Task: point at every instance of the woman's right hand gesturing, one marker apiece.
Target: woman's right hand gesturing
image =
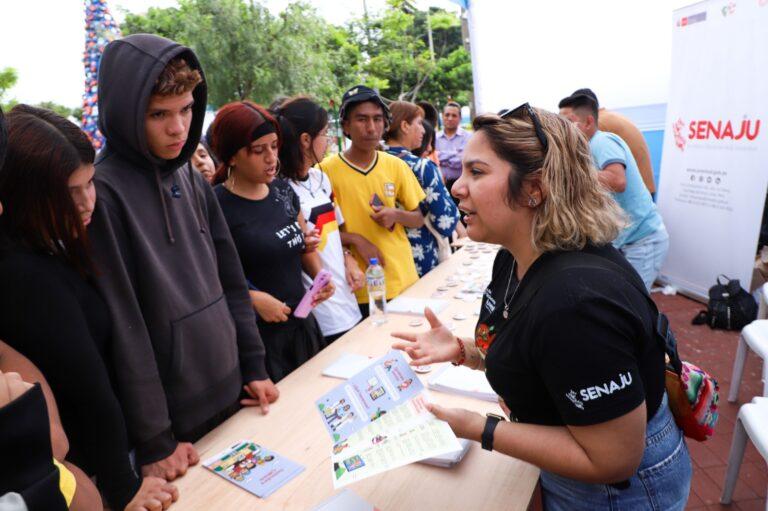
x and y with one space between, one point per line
437 344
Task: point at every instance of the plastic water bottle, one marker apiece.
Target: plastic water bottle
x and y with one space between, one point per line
377 292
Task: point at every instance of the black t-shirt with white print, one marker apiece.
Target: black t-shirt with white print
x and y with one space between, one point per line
581 352
268 238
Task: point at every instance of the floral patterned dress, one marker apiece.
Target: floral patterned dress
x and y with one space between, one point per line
437 206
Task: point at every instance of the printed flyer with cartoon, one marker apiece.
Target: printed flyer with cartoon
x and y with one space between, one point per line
407 434
378 421
368 395
253 468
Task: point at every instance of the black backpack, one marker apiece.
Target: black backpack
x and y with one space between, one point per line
730 307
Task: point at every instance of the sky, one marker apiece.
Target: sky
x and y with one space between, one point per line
43 40
542 51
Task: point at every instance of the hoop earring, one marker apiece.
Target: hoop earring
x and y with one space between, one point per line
230 178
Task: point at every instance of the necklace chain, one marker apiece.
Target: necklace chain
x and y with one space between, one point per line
505 313
308 188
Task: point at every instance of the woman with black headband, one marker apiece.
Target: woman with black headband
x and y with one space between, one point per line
304 132
267 226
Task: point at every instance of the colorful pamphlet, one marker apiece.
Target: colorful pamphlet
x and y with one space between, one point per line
253 468
408 433
368 395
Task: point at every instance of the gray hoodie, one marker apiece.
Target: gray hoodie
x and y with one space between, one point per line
184 332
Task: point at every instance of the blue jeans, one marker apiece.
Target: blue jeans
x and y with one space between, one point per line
646 255
662 481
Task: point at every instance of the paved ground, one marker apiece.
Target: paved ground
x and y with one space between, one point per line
714 350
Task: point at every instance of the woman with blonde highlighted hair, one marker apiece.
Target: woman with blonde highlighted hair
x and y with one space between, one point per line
567 332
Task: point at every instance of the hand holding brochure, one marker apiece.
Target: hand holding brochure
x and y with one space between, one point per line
378 421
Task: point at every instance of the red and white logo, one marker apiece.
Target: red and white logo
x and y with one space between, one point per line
706 129
677 129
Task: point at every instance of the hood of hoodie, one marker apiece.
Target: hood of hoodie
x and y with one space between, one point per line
128 71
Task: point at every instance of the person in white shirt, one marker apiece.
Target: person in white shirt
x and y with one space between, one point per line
304 134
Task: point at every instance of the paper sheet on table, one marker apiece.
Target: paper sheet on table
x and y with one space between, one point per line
405 435
345 500
415 306
347 365
463 381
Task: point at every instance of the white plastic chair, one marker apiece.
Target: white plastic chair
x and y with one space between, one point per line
755 337
752 422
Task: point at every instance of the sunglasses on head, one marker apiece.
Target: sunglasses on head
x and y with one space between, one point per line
519 112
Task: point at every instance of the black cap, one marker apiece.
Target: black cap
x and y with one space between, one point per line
361 94
580 94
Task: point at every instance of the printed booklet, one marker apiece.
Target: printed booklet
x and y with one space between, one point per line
253 468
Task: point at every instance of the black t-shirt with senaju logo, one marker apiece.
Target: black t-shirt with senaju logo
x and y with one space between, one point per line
581 352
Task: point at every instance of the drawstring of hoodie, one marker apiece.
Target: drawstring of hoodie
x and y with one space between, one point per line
166 215
200 222
168 228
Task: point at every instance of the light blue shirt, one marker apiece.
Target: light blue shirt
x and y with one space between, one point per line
450 151
635 200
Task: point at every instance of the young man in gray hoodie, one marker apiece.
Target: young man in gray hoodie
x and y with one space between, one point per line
185 341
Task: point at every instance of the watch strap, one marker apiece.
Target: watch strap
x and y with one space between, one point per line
486 439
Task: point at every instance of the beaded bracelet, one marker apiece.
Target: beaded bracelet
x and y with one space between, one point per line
462 353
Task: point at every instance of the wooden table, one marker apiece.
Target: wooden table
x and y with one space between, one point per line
293 428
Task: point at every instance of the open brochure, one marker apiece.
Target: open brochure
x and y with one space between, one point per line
405 435
378 421
369 394
253 468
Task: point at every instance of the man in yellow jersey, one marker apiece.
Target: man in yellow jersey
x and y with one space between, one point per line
378 193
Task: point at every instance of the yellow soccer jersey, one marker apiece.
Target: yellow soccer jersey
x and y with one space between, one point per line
393 181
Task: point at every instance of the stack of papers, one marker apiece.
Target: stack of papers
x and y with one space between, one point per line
253 468
450 459
378 421
464 381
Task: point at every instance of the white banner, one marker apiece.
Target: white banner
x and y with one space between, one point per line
714 168
541 52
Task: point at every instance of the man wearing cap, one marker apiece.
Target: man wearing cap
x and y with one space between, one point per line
378 193
644 242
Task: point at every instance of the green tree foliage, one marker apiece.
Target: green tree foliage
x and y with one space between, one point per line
400 62
164 22
9 77
249 53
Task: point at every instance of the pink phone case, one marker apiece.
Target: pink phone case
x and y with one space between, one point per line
305 305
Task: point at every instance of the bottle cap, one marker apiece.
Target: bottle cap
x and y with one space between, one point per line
374 261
